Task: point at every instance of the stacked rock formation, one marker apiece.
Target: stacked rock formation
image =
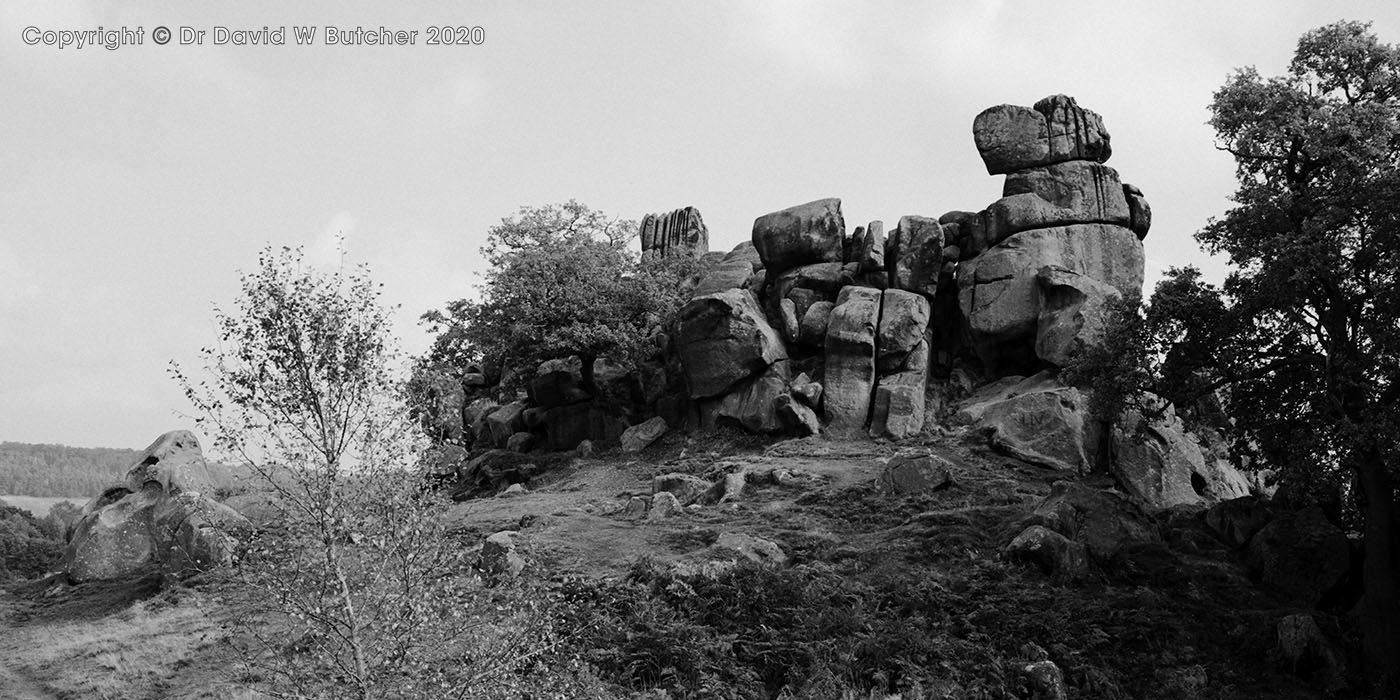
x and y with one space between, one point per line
1038 265
162 515
1017 287
804 326
679 232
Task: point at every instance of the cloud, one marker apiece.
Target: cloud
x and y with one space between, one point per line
454 101
821 39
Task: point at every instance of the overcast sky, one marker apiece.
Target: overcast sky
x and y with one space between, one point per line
136 182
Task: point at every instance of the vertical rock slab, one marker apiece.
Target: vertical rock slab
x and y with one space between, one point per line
903 322
801 235
869 255
850 360
914 255
723 338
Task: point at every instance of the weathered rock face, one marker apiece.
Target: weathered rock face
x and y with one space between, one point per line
1011 138
1073 314
724 338
163 515
679 232
1161 465
1073 192
809 233
1000 297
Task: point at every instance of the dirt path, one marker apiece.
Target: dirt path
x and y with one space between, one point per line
14 684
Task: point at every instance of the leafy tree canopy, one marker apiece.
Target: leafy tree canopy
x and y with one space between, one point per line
1305 331
561 283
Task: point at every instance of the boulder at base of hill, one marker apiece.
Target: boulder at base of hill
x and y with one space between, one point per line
911 474
755 549
1103 521
499 559
1038 420
158 517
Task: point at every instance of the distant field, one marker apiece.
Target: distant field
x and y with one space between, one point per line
40 505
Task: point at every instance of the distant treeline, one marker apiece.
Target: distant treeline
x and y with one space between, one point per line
58 470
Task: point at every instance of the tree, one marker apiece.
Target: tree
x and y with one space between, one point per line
561 283
359 583
1305 332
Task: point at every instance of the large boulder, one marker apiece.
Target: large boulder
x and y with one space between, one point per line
850 360
808 233
1300 555
1038 420
722 339
1073 192
1000 297
1056 129
914 255
161 516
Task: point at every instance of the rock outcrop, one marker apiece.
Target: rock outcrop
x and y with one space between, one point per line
679 232
1039 264
162 515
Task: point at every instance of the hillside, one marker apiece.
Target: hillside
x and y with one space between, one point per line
862 590
58 470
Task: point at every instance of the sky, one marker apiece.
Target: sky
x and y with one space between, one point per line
136 183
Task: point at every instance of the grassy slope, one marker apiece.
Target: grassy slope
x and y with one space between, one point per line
898 593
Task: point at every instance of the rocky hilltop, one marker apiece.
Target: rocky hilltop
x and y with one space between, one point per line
887 331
